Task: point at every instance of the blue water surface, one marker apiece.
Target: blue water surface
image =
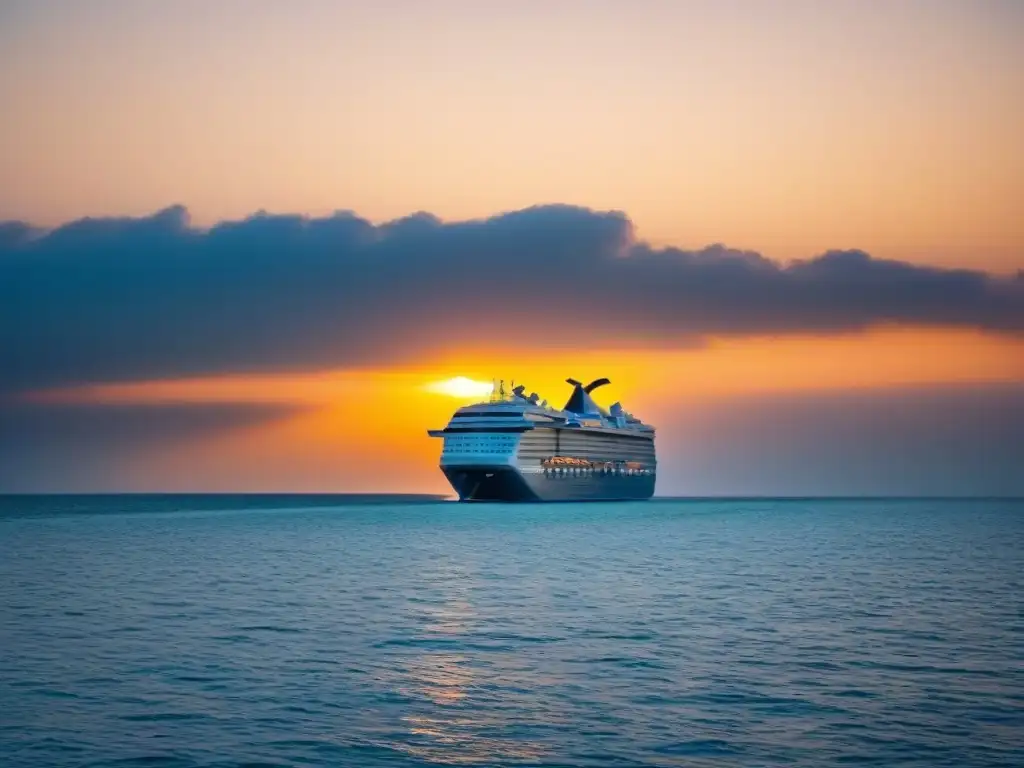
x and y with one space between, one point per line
291 631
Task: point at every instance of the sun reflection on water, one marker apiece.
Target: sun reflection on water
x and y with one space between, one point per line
456 708
443 678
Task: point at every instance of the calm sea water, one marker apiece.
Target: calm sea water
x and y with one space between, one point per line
206 631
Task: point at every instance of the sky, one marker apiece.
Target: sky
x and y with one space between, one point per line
240 240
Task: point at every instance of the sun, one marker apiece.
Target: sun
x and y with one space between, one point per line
461 387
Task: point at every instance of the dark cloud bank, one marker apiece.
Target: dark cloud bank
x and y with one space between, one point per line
116 299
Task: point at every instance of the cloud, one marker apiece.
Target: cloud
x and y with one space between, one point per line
957 440
48 447
152 297
14 234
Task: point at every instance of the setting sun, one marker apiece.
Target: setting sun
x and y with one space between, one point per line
461 387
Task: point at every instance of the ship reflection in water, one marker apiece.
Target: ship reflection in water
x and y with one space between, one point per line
451 690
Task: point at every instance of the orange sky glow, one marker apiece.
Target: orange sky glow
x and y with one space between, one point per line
351 429
789 129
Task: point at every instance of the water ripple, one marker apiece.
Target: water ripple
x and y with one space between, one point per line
755 633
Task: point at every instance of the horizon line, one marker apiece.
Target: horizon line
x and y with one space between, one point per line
449 497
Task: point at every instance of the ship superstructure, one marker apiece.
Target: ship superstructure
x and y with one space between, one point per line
515 447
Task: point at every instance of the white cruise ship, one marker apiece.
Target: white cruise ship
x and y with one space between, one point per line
514 448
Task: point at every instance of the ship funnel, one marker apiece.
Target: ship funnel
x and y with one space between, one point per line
580 400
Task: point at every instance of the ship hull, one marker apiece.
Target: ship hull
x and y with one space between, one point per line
508 484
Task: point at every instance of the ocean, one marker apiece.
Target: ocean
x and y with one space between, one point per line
169 631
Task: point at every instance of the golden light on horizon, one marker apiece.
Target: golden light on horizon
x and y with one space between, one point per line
461 387
882 357
297 429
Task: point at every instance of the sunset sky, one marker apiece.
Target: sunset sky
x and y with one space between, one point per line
240 240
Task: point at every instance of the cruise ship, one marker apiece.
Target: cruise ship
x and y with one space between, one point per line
515 447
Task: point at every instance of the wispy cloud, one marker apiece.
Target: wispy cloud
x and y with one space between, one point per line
931 440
